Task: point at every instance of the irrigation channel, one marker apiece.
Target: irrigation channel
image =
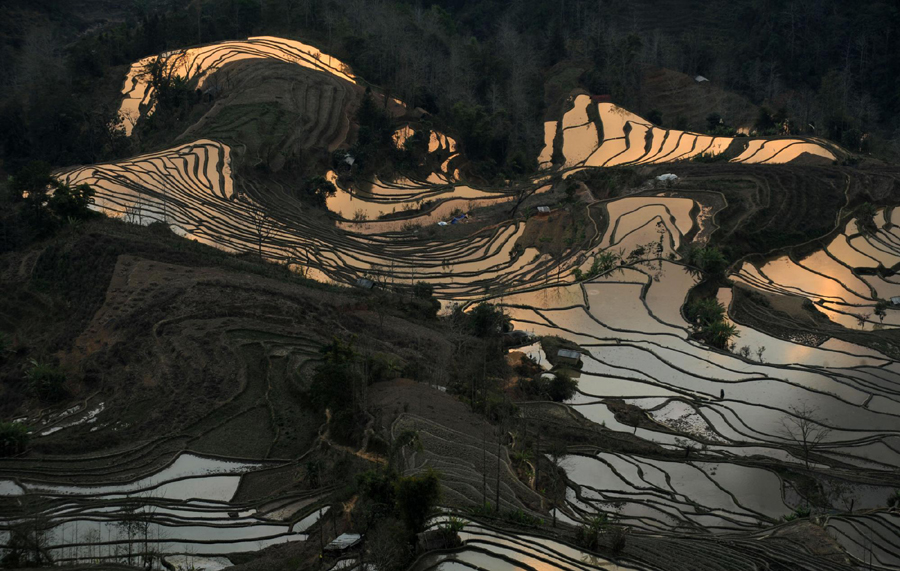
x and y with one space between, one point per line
729 408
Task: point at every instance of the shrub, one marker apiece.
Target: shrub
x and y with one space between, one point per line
710 158
865 218
618 535
69 203
423 290
561 387
520 517
893 500
800 512
707 317
46 382
486 320
588 534
482 510
382 368
13 438
705 311
709 260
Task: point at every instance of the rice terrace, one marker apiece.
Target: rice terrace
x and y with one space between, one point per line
369 285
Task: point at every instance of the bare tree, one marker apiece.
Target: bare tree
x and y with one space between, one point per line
299 259
804 430
262 225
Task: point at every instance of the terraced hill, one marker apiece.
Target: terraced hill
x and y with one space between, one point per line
189 428
603 135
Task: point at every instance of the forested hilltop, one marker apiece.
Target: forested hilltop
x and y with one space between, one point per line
467 285
488 71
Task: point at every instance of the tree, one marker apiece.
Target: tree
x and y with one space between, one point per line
388 546
316 190
719 334
804 430
486 320
69 203
709 260
262 225
416 496
881 309
562 387
865 218
35 176
705 311
45 381
13 438
28 544
707 318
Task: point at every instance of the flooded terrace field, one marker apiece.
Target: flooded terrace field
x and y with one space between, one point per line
717 459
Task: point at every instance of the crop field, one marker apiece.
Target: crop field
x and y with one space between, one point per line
604 135
721 469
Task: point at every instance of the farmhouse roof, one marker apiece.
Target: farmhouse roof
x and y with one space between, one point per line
568 354
344 541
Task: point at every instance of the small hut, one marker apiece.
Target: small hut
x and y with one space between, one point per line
344 542
568 357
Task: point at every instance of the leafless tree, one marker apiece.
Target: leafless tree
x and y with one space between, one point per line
263 226
134 214
299 259
804 430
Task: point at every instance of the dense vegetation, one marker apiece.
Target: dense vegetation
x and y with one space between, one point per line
486 70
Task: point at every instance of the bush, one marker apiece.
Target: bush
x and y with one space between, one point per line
69 203
13 438
519 517
710 158
316 190
485 320
46 382
588 534
383 368
865 218
800 512
709 260
707 317
705 311
562 387
603 262
893 500
618 535
483 510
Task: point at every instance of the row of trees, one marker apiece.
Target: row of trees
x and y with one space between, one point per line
36 205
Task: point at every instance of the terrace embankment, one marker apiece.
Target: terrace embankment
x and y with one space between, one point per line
795 318
177 340
770 207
